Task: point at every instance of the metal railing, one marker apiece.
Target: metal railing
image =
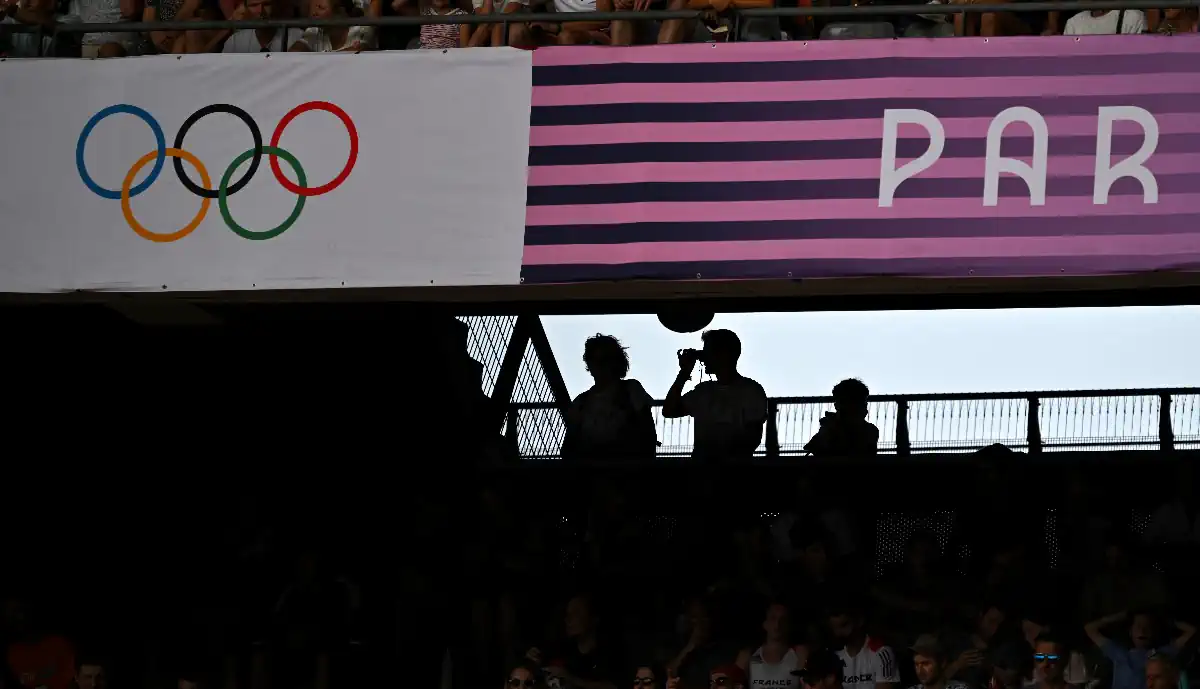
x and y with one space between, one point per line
847 13
1079 420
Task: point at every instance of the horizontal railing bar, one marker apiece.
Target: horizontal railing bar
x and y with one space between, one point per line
557 17
954 396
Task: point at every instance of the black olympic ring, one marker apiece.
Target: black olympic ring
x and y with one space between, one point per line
258 149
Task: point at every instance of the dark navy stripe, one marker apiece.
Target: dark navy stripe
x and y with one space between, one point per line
866 108
840 70
630 233
1010 186
850 267
850 149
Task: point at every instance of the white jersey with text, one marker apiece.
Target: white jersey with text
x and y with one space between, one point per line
874 663
764 675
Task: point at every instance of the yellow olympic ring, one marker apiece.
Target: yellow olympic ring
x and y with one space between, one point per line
128 184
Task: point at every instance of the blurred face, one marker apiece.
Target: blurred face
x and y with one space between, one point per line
719 680
1141 631
258 9
644 679
989 623
519 678
90 677
847 406
320 9
928 669
1047 657
1159 676
843 628
776 624
185 684
579 618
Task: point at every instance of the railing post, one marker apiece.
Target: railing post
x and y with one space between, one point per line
903 444
772 429
1034 432
1166 435
512 444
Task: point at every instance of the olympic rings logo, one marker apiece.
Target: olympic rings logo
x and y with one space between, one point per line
205 189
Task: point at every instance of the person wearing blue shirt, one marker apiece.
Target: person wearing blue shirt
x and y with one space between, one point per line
1129 664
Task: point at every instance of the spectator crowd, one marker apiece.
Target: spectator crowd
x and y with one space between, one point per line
991 572
717 24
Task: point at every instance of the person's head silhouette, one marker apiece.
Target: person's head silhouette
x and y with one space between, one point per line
850 398
605 358
722 348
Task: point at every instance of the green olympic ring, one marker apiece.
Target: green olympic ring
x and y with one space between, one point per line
222 193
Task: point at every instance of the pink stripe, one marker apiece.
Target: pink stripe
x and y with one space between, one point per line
776 170
852 89
865 209
784 51
822 130
908 247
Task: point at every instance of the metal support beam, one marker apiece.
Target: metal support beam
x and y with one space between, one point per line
541 347
510 368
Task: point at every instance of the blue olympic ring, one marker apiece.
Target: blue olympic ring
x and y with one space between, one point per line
159 159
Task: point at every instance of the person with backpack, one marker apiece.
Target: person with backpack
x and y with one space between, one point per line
612 421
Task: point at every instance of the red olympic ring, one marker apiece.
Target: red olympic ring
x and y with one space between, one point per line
336 181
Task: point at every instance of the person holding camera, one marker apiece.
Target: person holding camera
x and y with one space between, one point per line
729 412
845 432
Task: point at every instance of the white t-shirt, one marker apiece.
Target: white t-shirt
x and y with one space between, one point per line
1084 24
246 41
722 410
764 675
574 5
874 663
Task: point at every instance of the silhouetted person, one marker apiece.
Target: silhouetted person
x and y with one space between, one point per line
729 411
845 432
612 420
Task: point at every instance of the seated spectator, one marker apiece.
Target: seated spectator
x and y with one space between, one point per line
167 11
845 432
30 13
1004 23
929 662
913 595
718 22
1173 21
972 663
1129 663
1049 663
578 31
870 663
707 647
646 678
1010 665
254 40
202 41
1162 672
612 420
336 39
777 662
1100 22
436 36
116 43
583 662
729 412
493 34
523 677
90 674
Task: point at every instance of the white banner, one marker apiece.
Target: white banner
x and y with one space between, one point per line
378 169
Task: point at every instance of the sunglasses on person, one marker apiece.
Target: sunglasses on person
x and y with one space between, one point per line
643 681
516 682
1045 657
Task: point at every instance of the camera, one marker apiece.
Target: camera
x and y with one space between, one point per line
695 354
